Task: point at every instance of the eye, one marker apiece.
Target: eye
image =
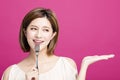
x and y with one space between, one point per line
33 28
46 30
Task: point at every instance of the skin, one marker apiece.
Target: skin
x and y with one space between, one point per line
90 60
40 31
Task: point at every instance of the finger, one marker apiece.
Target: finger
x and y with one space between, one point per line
35 69
111 56
105 57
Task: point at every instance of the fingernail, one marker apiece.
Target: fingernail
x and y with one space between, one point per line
33 69
33 78
112 55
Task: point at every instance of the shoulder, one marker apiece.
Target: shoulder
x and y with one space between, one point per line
71 62
6 73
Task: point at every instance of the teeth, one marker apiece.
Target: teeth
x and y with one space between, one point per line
38 41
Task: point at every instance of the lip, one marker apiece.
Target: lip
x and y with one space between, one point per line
38 41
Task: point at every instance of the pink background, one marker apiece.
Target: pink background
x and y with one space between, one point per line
87 27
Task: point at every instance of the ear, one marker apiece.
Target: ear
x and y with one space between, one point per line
53 35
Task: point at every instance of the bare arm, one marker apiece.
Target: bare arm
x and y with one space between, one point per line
5 75
89 60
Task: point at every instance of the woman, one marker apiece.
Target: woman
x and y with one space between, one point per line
40 27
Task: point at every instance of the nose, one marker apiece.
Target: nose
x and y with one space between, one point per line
38 34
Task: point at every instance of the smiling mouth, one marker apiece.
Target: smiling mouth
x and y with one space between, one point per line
38 41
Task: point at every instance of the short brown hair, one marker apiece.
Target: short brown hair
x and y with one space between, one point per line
38 13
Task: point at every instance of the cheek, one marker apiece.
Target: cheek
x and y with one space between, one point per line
30 34
48 37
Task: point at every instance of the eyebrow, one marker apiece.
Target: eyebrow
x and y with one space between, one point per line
42 27
46 27
33 26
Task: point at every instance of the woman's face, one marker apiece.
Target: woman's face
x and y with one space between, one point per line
39 31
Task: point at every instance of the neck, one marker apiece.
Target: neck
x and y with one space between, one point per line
42 55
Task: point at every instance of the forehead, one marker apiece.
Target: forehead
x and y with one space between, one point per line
40 22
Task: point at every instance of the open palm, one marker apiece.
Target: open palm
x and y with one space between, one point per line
92 59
